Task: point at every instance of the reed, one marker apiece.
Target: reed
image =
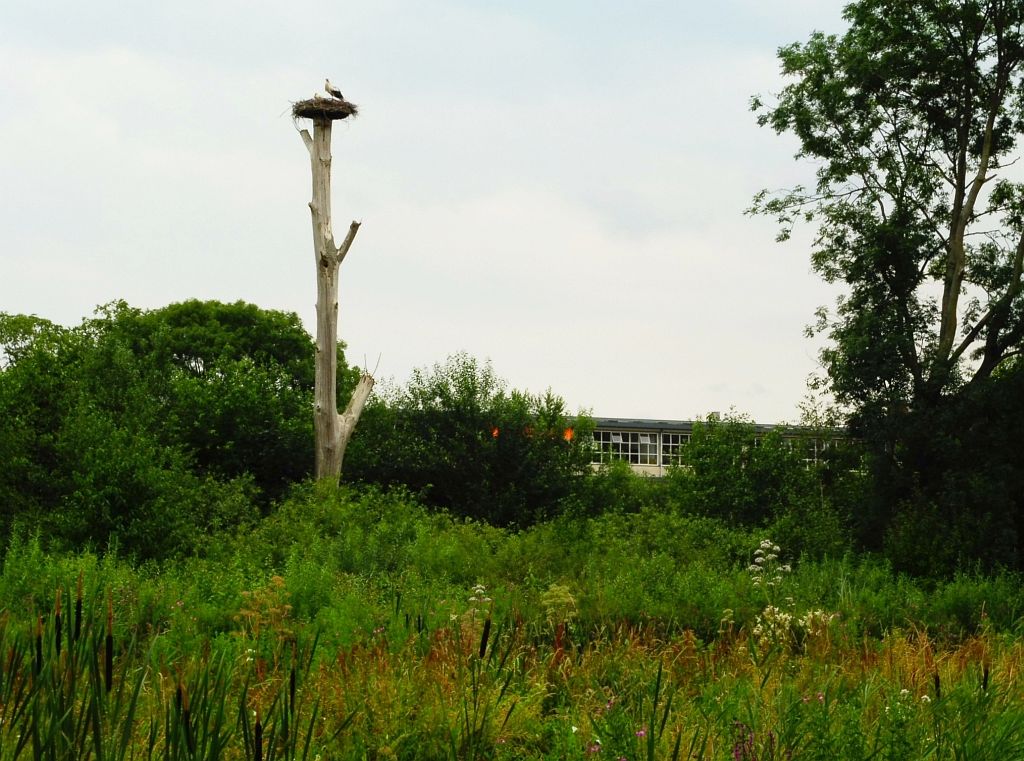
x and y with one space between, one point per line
491 685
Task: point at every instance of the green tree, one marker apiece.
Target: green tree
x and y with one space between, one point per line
149 425
231 384
734 472
456 435
912 118
32 405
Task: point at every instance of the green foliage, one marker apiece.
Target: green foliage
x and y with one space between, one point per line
384 663
958 489
126 487
909 117
758 478
614 487
455 435
732 471
236 384
628 633
152 429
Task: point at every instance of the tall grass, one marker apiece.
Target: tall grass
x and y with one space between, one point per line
358 626
474 688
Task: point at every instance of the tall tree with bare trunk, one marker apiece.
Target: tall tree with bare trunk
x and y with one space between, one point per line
332 430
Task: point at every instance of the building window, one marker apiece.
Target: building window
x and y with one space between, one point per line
648 449
632 446
603 451
811 450
671 447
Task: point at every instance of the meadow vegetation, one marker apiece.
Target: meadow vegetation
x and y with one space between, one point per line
357 623
175 587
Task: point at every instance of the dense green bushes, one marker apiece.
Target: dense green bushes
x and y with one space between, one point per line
632 634
152 428
732 472
459 438
950 491
345 557
155 429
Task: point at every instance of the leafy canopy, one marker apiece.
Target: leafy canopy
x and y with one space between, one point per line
460 438
912 118
152 426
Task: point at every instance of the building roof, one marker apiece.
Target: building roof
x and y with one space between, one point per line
681 426
637 424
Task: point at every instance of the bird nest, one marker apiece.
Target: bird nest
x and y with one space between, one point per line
324 109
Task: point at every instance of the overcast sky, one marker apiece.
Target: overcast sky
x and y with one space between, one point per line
556 186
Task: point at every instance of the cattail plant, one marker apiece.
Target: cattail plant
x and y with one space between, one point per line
484 679
186 719
108 661
289 712
655 728
39 646
291 688
78 608
257 737
486 633
57 630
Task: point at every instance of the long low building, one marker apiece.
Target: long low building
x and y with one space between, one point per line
651 447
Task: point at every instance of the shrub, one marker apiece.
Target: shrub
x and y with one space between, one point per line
457 437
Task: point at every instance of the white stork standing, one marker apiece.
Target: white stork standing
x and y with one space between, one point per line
334 91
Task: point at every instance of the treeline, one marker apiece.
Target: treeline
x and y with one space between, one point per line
155 431
158 428
921 229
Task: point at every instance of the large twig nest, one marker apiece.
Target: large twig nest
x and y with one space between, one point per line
326 109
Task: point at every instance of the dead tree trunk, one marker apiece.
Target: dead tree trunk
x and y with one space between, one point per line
332 431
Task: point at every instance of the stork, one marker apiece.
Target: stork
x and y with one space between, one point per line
334 91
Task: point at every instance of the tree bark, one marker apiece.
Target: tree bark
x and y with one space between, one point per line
332 431
956 258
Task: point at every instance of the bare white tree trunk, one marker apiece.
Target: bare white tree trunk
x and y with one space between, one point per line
332 431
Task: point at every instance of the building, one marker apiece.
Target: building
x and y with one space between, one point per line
651 447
